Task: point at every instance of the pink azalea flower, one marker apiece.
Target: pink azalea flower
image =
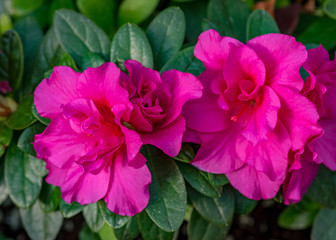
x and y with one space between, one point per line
251 114
4 87
89 152
157 104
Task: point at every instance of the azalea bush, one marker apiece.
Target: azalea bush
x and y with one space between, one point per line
154 119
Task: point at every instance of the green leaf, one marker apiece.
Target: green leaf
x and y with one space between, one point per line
40 225
11 59
135 11
23 184
259 23
112 219
231 16
5 137
243 205
217 210
320 32
198 181
5 23
186 153
3 186
78 35
130 42
70 210
101 12
107 233
38 166
217 179
87 234
324 227
168 198
47 57
149 230
24 7
329 7
166 34
27 137
323 189
50 197
23 116
129 231
67 60
93 217
43 120
92 60
207 25
201 229
185 61
59 4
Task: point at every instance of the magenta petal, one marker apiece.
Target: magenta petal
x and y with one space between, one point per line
253 184
56 176
283 56
184 87
217 153
325 145
53 93
128 191
298 115
85 187
213 50
133 145
168 139
102 85
317 57
60 144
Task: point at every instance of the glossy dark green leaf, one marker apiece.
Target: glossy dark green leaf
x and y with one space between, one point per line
185 61
295 218
50 197
186 153
201 229
168 198
324 227
23 116
27 137
87 234
320 32
166 34
93 217
67 60
112 219
47 57
329 7
43 120
107 233
129 231
5 137
23 184
91 60
243 205
130 42
198 181
11 59
259 23
231 16
149 230
78 35
101 12
70 210
323 189
31 36
24 7
207 25
40 225
135 11
217 179
38 166
217 210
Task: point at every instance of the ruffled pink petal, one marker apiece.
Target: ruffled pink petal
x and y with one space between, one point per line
325 145
298 115
283 57
204 114
191 136
52 94
128 191
269 157
213 50
56 176
298 181
138 73
85 187
264 116
102 86
61 145
253 184
329 100
317 57
217 153
184 87
168 139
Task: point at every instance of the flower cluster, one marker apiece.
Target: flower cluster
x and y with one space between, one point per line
256 120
